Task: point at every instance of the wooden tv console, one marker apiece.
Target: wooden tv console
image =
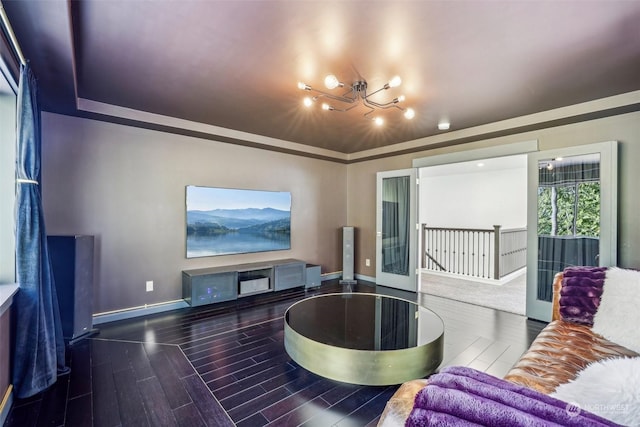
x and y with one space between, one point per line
216 284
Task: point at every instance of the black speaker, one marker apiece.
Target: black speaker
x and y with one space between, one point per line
72 264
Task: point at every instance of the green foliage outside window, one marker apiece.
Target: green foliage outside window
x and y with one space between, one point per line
544 211
577 213
588 222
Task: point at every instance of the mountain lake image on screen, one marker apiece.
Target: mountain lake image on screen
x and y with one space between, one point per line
225 221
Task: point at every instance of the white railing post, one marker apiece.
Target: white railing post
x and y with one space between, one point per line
496 252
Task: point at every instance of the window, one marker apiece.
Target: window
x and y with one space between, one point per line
570 210
7 175
569 199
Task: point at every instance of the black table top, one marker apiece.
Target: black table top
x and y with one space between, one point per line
363 321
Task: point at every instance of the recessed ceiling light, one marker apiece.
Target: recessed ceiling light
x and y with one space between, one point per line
444 125
480 165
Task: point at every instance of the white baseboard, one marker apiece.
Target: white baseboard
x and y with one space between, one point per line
138 311
498 282
338 275
331 276
366 278
129 313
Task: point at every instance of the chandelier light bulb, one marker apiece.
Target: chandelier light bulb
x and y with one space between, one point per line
326 107
399 99
303 86
395 81
307 101
379 121
409 113
331 81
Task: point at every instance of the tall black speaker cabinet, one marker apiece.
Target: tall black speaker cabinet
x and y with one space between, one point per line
72 264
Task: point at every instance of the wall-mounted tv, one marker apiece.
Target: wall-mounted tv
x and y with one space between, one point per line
225 221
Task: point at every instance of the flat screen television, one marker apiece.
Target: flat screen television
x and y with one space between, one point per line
225 221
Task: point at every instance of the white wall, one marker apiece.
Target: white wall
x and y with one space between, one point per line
479 199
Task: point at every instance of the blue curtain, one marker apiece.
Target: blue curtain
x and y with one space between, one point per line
39 344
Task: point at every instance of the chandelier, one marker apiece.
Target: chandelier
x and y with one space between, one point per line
356 95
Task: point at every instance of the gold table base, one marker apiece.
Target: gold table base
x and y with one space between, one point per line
364 367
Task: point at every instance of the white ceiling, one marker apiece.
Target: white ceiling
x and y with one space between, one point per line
228 70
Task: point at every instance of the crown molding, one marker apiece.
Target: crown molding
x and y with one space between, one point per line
590 110
214 132
604 107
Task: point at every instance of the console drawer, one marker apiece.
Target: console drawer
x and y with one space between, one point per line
209 288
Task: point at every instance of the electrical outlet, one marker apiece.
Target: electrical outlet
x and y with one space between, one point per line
367 262
149 285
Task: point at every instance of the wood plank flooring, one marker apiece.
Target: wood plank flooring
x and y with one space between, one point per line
225 365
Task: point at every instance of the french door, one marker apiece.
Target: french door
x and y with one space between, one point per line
397 229
571 216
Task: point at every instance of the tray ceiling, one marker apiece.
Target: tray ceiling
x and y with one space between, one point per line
234 65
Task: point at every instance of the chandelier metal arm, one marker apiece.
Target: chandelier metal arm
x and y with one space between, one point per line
352 91
379 90
340 98
344 109
390 104
366 115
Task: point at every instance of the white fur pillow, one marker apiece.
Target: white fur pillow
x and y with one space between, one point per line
618 315
609 388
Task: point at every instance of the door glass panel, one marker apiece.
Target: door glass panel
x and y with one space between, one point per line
396 229
396 225
568 217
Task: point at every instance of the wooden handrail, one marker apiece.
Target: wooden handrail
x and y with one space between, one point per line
428 255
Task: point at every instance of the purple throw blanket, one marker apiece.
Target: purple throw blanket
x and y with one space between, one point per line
580 293
460 396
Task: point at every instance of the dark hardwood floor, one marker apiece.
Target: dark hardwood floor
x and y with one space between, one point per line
225 365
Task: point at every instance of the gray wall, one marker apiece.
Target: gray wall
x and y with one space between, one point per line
126 186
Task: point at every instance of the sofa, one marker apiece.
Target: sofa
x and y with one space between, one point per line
562 350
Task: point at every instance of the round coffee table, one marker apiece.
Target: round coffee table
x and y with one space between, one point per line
363 338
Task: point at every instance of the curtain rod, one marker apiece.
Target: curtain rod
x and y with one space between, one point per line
12 36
